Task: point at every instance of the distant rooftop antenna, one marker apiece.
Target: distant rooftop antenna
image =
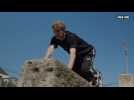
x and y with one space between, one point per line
125 47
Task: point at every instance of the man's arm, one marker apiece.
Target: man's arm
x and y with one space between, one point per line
72 58
49 52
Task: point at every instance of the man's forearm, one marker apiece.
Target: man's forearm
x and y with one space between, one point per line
49 52
71 61
48 55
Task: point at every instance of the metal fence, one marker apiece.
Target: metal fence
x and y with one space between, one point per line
8 82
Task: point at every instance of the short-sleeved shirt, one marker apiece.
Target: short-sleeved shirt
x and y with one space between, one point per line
71 40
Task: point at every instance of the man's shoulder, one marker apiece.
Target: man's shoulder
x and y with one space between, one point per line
53 38
71 34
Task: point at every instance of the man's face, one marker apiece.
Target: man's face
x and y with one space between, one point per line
58 32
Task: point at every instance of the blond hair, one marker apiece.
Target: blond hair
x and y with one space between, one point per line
59 24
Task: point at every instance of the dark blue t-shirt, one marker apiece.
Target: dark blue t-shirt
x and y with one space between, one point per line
72 41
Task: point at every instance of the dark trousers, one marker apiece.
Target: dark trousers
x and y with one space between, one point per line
84 66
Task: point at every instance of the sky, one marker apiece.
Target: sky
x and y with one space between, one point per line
26 35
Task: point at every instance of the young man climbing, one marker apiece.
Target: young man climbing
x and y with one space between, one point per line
81 54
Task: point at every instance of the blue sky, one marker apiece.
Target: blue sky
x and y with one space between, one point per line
26 35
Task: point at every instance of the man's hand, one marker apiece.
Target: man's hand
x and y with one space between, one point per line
49 52
72 58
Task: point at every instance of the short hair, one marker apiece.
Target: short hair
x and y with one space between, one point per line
60 25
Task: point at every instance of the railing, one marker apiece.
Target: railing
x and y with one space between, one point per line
8 82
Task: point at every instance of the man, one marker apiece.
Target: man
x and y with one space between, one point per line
81 53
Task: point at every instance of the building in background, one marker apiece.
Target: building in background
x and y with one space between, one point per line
126 80
6 80
3 74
